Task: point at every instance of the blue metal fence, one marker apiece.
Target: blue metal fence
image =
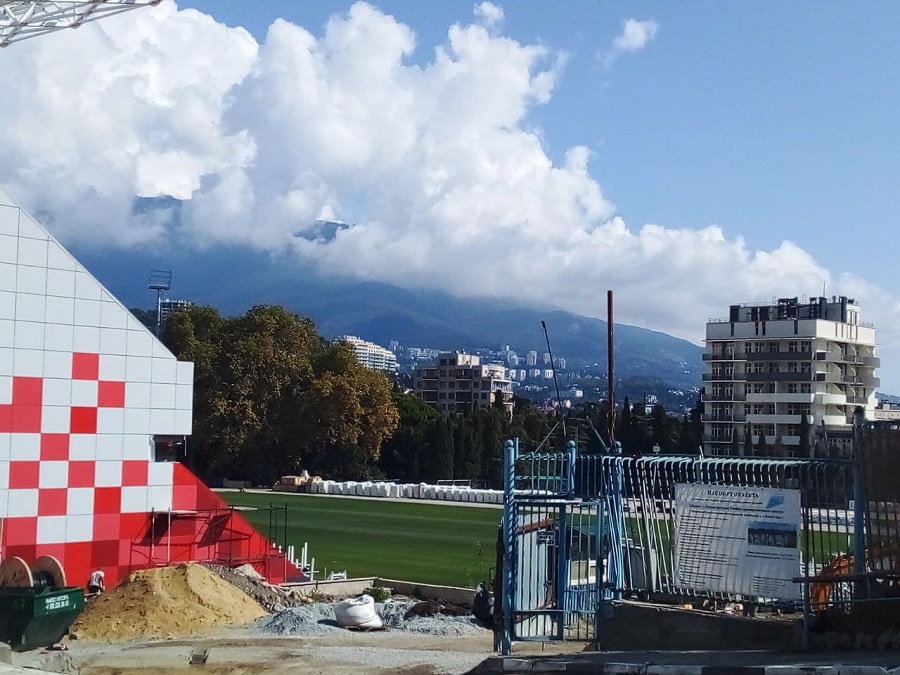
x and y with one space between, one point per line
583 529
553 550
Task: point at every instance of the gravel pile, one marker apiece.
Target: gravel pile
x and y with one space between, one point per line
318 619
307 620
271 597
410 617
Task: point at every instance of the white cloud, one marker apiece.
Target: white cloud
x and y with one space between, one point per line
436 168
127 107
489 14
634 37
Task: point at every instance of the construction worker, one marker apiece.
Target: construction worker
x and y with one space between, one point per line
96 584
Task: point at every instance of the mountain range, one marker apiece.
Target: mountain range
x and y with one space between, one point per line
432 319
234 280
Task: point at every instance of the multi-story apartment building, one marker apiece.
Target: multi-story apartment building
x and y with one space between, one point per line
460 382
767 365
370 355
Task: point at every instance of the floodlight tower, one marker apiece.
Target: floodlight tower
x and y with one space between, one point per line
22 19
160 280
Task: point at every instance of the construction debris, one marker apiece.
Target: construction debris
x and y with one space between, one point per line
302 483
271 597
319 619
166 602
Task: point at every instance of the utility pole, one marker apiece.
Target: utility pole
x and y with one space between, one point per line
610 371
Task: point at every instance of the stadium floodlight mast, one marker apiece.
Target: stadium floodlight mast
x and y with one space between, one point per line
23 19
160 281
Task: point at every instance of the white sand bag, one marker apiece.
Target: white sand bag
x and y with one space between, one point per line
358 612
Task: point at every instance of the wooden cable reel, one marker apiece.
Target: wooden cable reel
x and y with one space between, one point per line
45 572
15 573
48 571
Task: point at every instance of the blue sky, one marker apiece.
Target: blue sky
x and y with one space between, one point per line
721 153
775 121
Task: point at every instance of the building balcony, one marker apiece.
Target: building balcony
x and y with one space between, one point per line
859 360
739 356
831 399
772 418
779 356
728 398
717 418
838 378
778 377
836 422
718 377
783 397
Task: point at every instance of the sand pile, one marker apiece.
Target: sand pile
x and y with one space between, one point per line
166 602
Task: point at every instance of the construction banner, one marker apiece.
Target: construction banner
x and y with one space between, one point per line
737 540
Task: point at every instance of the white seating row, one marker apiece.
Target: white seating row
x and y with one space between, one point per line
408 491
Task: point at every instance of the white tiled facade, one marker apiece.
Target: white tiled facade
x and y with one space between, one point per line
84 388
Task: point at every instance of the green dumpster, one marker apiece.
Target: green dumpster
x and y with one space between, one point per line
37 617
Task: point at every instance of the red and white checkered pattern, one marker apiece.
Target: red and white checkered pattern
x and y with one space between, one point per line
83 388
110 474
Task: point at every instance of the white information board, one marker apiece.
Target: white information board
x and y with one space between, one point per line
738 540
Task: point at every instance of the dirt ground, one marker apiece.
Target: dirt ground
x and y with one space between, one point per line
160 620
236 653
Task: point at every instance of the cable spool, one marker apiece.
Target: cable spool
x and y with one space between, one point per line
14 573
48 572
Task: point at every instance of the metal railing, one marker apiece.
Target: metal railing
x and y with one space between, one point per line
831 525
643 490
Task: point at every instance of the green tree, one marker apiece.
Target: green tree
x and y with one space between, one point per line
695 425
402 453
762 448
272 397
495 428
193 335
660 425
625 430
439 464
803 450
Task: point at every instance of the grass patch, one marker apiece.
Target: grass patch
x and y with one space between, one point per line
425 543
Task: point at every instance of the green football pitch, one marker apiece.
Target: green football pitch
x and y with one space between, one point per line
411 541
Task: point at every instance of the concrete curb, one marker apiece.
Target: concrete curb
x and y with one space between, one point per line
587 666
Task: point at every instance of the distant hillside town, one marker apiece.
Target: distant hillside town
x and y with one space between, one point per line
534 375
779 378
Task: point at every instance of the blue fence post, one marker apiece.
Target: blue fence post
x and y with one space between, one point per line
510 451
601 526
562 572
616 573
570 484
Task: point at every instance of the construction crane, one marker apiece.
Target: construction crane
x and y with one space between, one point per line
23 19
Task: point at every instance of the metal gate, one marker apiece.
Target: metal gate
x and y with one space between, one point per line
554 548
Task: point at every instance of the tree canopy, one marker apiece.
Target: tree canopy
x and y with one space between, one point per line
271 397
